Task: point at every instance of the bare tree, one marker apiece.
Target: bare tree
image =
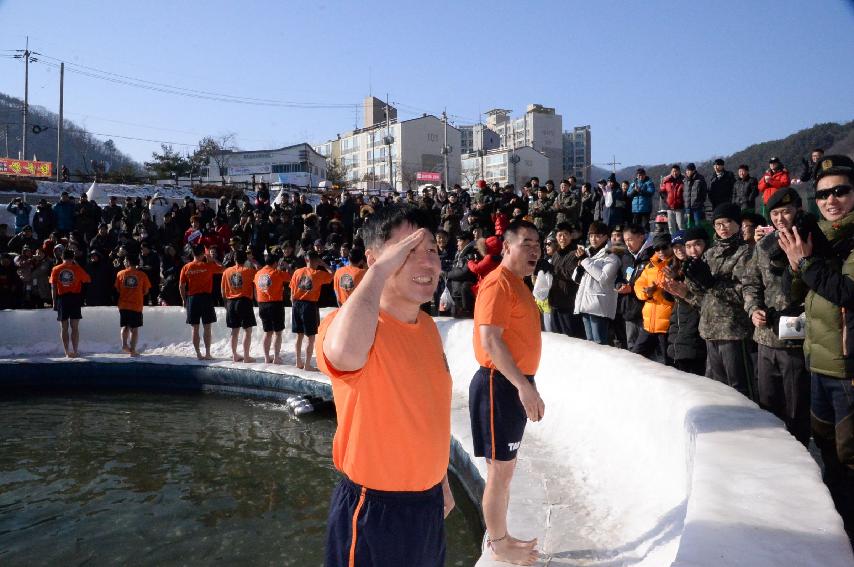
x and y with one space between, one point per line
408 176
217 151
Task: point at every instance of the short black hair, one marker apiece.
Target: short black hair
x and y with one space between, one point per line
240 256
312 255
377 230
68 254
356 256
132 259
518 225
199 250
565 227
634 229
597 227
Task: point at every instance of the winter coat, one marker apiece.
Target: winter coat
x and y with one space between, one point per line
640 193
827 283
543 214
565 207
672 191
22 214
762 288
744 193
460 271
657 307
695 191
44 221
564 288
683 336
720 188
722 315
770 182
596 293
64 213
630 307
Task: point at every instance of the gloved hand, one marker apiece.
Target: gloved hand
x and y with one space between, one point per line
699 273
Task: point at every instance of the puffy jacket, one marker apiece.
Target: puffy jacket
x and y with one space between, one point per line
771 181
641 192
564 288
482 268
64 213
630 307
744 193
827 283
720 188
44 221
657 307
22 214
597 294
695 191
683 336
672 191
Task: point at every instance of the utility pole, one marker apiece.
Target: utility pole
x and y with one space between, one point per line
59 127
389 141
26 98
446 150
6 130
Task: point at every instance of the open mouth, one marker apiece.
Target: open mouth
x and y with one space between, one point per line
423 280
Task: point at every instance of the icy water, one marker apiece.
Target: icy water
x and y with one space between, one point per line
153 479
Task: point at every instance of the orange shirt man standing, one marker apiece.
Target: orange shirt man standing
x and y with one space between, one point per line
270 283
66 285
238 291
347 277
133 285
196 287
305 293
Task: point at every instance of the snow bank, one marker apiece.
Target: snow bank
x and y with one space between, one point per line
634 463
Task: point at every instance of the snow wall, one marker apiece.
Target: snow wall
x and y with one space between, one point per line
633 464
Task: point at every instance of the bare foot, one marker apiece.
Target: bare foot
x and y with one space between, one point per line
529 543
310 368
299 363
268 360
74 354
199 355
237 358
278 360
134 353
69 355
125 348
208 356
248 359
505 551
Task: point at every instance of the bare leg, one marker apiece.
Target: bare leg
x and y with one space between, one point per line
75 336
309 349
247 344
63 334
125 333
298 349
268 339
207 336
234 356
495 500
134 337
196 340
277 349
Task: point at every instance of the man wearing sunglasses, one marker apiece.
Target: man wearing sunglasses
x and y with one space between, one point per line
825 277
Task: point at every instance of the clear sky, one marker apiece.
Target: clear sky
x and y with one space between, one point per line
657 80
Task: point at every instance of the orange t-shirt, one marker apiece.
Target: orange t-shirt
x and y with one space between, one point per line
305 285
270 284
237 281
199 276
505 301
68 277
346 280
132 286
394 414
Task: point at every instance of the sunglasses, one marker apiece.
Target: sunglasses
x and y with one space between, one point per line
838 191
661 248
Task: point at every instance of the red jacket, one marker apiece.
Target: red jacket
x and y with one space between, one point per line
673 190
775 181
483 267
501 223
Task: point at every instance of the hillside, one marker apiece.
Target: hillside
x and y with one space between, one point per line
79 146
833 137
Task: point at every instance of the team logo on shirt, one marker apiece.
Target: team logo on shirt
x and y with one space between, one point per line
305 283
66 277
236 279
264 281
346 282
131 282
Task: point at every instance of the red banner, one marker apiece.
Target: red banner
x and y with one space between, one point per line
25 168
428 176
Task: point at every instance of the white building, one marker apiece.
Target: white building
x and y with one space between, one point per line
540 128
478 137
298 165
385 155
576 153
505 165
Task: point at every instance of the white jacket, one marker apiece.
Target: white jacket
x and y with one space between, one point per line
596 292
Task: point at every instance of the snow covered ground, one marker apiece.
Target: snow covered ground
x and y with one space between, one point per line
633 464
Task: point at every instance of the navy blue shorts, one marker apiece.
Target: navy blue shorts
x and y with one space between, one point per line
391 528
272 315
200 307
128 318
239 313
68 306
305 317
497 415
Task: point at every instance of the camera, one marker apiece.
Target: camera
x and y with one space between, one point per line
807 225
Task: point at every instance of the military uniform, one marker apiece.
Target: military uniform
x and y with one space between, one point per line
543 214
565 207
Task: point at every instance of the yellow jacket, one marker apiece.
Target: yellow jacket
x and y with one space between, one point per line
656 307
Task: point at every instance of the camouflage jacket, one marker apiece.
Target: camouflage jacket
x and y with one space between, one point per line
541 210
722 315
566 207
762 288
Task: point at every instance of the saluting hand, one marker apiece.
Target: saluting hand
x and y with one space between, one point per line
394 256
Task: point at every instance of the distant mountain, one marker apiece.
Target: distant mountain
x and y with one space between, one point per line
834 138
79 147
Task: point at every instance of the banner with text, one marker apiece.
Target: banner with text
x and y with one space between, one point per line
428 176
25 168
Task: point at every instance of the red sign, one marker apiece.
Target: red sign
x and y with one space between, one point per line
428 176
25 168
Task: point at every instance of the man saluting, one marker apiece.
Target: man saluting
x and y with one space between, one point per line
392 394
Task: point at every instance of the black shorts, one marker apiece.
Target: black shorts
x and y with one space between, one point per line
239 313
305 317
200 307
128 318
391 528
272 315
497 415
68 306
